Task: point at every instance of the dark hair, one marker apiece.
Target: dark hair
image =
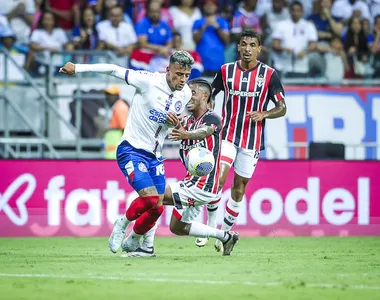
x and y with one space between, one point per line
183 58
202 82
176 33
248 32
350 40
41 26
294 3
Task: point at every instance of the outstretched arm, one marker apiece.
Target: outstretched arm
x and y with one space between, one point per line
196 134
109 69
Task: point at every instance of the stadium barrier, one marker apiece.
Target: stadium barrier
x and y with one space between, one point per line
286 198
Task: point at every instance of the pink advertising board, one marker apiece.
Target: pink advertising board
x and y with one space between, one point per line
285 198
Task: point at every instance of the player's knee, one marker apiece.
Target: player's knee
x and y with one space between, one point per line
156 211
150 201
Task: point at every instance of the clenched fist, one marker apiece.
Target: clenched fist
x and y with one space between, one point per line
68 68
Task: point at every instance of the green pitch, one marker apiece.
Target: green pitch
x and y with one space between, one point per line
259 268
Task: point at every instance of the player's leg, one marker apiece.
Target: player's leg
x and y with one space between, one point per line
149 218
245 164
180 225
228 154
134 167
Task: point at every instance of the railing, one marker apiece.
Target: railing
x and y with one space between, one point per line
27 148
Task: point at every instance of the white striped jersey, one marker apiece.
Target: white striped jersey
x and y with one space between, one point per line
245 91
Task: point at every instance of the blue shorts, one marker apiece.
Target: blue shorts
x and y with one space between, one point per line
142 168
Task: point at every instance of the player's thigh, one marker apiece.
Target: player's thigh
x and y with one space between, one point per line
245 162
135 169
228 153
157 173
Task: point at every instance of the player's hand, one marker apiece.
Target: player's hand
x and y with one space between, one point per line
172 119
178 134
68 68
256 116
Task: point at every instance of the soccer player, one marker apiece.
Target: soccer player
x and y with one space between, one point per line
139 153
201 129
248 86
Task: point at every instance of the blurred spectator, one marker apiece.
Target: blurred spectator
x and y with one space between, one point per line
211 34
294 41
263 7
336 61
154 34
67 13
277 13
197 69
117 35
356 46
20 14
7 37
118 120
184 13
103 7
374 7
165 14
345 9
326 25
374 44
244 17
308 7
46 39
86 36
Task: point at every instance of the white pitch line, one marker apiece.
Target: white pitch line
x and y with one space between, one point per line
171 280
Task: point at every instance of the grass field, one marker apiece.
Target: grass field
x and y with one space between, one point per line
259 268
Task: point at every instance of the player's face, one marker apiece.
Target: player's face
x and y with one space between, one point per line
177 76
197 97
249 49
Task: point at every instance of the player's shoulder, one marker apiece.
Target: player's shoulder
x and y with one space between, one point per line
270 70
213 117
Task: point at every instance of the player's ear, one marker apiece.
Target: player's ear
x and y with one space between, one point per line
167 69
259 49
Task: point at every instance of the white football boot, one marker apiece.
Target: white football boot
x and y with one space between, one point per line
201 242
117 235
130 244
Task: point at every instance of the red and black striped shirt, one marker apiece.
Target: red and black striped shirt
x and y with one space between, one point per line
245 91
209 183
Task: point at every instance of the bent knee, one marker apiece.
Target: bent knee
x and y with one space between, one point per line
177 228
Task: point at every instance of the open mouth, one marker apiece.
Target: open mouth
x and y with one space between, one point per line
189 104
246 55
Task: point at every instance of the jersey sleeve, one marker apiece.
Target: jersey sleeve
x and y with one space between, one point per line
214 121
275 90
217 83
138 79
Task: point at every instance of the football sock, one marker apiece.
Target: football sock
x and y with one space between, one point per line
148 238
231 214
212 209
139 206
147 220
201 230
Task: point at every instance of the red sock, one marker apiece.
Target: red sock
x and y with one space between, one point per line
140 205
147 220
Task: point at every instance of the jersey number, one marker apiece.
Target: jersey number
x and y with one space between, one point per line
160 170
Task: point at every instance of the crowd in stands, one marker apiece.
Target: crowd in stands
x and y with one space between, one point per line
331 39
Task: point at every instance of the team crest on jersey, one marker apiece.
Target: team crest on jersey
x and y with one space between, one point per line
142 167
191 202
178 106
260 80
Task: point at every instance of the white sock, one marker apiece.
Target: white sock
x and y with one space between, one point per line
231 214
201 230
124 221
212 209
148 238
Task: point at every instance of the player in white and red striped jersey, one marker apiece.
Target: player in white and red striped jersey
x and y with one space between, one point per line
202 128
248 86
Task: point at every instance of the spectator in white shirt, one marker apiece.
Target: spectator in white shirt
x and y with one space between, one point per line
117 35
20 14
45 40
345 9
293 42
184 13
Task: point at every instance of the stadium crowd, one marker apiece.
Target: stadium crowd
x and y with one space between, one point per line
331 39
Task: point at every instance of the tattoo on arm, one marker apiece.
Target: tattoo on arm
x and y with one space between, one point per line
200 133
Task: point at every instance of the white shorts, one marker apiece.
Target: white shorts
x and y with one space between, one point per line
188 201
244 160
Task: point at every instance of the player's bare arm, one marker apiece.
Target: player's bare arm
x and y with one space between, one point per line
197 134
173 119
277 112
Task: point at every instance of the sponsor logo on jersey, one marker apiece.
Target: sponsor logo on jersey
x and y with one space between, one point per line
243 93
189 147
157 116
